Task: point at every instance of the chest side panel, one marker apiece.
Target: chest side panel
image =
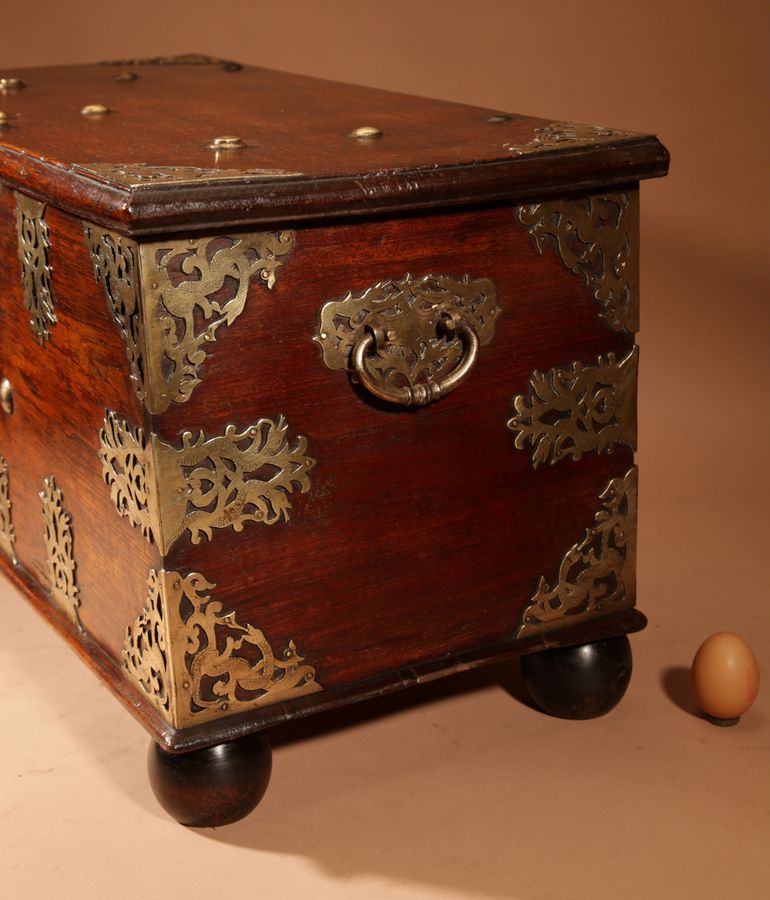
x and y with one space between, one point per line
423 532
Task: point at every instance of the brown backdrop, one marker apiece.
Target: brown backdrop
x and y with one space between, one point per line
652 802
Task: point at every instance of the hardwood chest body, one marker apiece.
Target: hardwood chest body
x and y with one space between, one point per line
310 391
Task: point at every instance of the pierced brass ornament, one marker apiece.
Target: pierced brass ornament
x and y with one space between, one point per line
564 135
569 412
196 663
33 247
169 299
597 238
597 576
7 535
139 175
205 485
58 544
410 341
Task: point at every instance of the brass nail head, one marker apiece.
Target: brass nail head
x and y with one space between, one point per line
366 132
95 109
125 76
4 118
227 142
499 119
6 396
11 84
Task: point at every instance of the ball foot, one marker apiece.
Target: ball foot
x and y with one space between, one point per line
213 786
579 682
723 723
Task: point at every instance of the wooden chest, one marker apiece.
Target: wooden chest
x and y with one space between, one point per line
311 392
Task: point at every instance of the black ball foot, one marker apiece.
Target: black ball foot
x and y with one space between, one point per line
579 682
214 786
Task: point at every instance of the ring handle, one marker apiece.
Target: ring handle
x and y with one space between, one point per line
428 391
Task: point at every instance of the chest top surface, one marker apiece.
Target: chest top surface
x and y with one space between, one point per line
146 146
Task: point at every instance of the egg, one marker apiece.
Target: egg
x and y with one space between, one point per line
725 677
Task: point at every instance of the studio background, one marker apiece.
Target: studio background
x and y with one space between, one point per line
459 790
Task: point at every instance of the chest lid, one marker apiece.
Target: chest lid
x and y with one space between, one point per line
147 146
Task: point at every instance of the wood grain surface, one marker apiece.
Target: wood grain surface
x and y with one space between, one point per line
424 533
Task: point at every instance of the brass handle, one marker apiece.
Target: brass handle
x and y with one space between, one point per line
430 390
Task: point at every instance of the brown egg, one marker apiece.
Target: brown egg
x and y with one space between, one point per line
725 676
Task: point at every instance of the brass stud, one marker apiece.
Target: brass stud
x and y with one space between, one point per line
499 119
227 142
11 84
125 76
3 118
6 396
366 132
95 109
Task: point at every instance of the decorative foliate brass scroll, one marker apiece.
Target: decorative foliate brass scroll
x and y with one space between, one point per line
569 412
597 576
205 484
597 238
566 135
169 298
409 341
33 247
7 535
196 663
58 545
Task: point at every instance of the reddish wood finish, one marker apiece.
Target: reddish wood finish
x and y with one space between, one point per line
432 153
213 786
60 393
425 532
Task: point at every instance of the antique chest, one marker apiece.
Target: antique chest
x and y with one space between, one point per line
311 392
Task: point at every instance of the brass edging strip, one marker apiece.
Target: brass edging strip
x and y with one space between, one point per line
597 575
170 297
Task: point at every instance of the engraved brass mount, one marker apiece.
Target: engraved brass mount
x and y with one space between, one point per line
206 484
569 412
59 551
597 238
597 575
412 341
170 298
195 662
